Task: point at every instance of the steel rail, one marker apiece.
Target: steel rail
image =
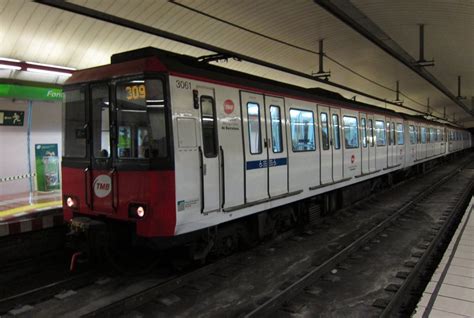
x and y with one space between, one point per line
272 304
46 291
397 300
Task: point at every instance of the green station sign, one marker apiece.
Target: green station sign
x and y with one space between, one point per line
31 92
12 118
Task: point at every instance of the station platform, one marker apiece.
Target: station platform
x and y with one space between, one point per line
29 212
450 293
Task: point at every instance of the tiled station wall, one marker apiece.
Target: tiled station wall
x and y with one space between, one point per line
45 129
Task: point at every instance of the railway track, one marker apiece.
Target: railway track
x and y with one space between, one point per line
391 306
183 294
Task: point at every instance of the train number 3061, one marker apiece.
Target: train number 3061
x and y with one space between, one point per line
183 84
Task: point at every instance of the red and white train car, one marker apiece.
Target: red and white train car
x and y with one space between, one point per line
171 146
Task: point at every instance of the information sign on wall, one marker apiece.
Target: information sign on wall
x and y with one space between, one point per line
12 118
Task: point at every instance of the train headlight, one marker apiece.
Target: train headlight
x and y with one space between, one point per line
137 210
71 201
140 211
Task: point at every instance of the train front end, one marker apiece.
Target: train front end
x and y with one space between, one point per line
117 166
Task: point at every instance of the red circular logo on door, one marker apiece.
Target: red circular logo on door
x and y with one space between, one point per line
229 106
353 158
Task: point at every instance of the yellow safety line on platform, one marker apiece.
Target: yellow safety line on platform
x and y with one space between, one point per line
26 208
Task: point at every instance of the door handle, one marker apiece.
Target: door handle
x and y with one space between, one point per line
201 169
223 176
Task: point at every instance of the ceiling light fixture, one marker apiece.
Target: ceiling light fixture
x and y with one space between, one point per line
51 66
44 71
9 67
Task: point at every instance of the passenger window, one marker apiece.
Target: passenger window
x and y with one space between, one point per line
351 134
423 135
277 140
324 131
335 129
100 120
253 113
392 134
302 130
364 132
380 133
412 131
209 126
371 133
400 139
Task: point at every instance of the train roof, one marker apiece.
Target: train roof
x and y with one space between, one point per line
155 60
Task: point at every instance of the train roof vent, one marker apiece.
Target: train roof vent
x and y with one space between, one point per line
136 54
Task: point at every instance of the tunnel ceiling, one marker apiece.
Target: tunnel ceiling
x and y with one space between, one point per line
281 32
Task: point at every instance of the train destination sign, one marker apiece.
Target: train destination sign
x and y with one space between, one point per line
11 118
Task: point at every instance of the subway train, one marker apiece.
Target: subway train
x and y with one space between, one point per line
170 149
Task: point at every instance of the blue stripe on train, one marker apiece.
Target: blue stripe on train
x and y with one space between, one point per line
257 164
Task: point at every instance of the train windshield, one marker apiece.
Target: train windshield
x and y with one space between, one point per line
141 119
137 132
75 124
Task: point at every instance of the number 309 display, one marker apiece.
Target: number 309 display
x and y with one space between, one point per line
135 92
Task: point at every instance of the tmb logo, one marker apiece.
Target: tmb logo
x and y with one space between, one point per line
229 106
102 185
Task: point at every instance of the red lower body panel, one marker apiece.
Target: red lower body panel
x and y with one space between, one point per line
107 194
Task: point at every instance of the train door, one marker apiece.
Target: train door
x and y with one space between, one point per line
208 151
419 146
444 142
400 143
101 176
381 142
276 150
325 148
253 121
337 171
391 155
352 153
363 139
411 144
390 142
371 142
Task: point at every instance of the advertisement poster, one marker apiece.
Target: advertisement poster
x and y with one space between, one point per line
47 167
124 142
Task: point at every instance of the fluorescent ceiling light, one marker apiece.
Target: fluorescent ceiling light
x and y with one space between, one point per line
54 66
38 70
9 67
9 60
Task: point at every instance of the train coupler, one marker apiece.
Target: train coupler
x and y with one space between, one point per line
88 238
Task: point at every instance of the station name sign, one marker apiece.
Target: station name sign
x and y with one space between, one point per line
31 92
12 118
